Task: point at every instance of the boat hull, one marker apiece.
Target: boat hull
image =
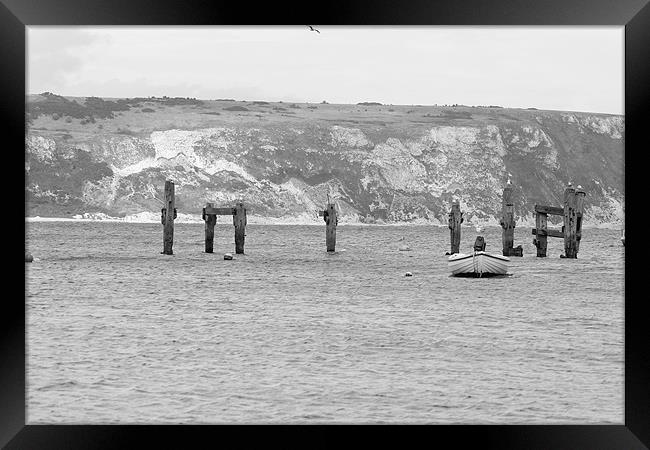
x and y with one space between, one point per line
478 264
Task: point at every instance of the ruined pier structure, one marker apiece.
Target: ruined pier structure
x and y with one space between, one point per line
238 213
209 216
571 231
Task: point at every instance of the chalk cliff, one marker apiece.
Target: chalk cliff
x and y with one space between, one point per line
381 163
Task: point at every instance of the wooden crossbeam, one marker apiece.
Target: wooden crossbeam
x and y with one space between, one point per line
553 210
549 232
219 211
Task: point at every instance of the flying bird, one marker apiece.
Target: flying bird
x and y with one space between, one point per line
313 29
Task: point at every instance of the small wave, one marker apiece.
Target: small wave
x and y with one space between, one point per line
313 417
142 391
63 384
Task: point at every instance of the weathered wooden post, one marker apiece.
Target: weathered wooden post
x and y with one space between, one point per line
331 219
571 231
507 220
168 214
580 205
455 219
508 224
210 222
570 247
541 239
239 221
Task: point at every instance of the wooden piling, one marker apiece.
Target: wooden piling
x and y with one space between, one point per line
455 219
167 219
210 222
331 219
239 221
580 205
508 221
570 223
541 233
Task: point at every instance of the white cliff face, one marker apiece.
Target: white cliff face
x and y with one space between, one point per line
535 137
534 140
460 159
398 167
205 149
101 193
348 137
288 172
170 143
444 160
610 211
492 140
297 190
612 126
41 148
458 139
119 151
136 167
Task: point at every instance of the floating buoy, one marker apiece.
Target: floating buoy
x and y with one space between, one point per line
227 256
28 257
408 274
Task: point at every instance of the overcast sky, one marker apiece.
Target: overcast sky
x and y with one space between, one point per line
562 68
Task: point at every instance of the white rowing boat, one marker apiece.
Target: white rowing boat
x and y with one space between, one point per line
478 264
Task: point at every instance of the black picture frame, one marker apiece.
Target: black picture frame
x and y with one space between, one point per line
15 15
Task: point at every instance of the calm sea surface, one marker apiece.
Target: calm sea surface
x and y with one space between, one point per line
118 333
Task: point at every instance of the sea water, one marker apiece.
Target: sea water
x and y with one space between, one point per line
118 333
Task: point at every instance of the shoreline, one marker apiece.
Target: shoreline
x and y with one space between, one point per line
140 220
319 223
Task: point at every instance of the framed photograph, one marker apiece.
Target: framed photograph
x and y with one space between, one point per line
407 215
